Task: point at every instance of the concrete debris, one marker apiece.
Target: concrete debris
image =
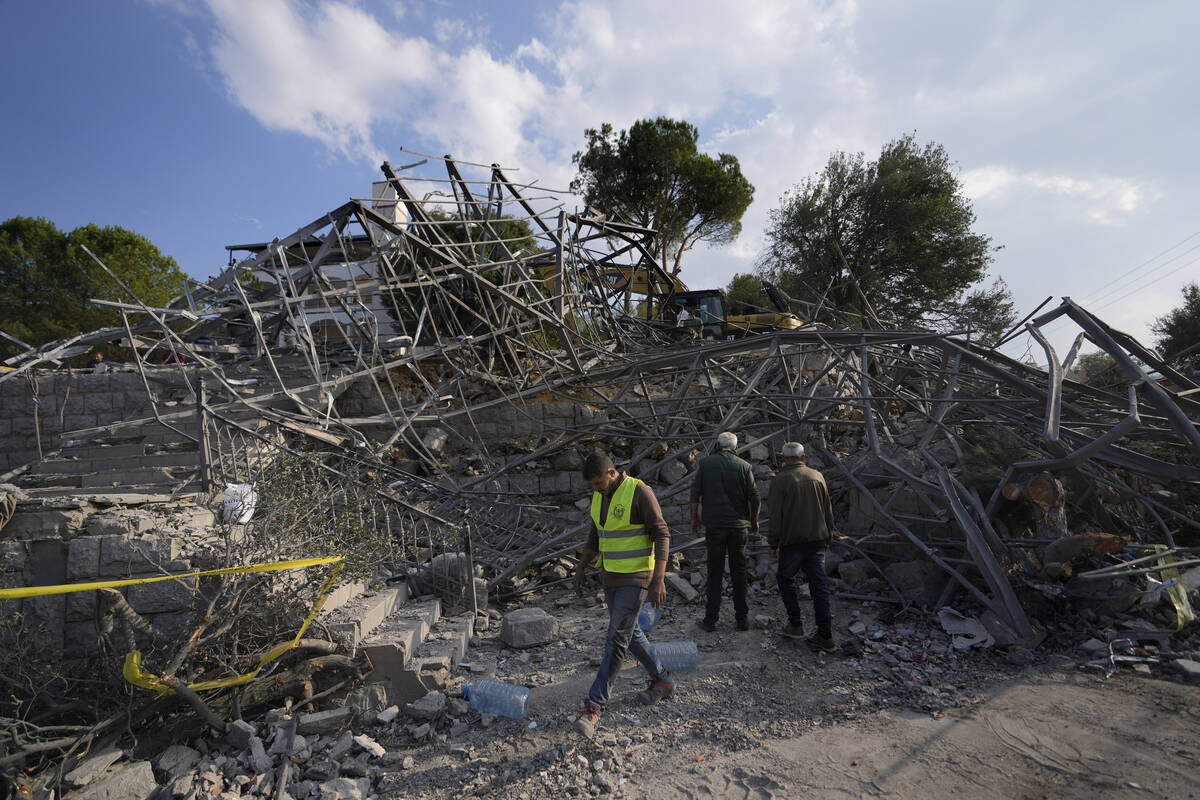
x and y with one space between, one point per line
93 766
370 745
967 632
324 722
429 707
528 627
134 781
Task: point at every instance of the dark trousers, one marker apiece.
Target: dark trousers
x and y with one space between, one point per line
812 561
724 542
624 636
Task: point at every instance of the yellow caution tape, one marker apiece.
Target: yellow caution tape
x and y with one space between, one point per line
1184 614
278 566
133 671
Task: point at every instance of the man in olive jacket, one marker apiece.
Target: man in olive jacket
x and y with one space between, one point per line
801 530
725 498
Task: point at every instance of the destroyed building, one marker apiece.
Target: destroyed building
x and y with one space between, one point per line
406 384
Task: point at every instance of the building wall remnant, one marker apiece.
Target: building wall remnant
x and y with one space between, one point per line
51 403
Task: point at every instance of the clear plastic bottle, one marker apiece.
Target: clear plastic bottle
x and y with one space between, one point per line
676 655
493 697
649 616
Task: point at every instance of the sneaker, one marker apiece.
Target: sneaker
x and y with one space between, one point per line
818 642
743 624
588 719
707 624
655 691
793 631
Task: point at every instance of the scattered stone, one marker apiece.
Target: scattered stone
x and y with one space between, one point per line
1188 668
341 746
239 733
429 707
1094 646
684 588
133 781
457 706
460 748
323 722
93 766
259 760
344 789
388 715
370 745
1019 657
764 621
408 763
419 731
528 627
857 628
354 768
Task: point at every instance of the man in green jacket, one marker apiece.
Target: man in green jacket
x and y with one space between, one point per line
725 488
801 530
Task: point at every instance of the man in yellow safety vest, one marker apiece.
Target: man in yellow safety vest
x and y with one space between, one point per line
632 540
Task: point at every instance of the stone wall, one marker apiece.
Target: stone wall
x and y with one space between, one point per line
49 403
72 540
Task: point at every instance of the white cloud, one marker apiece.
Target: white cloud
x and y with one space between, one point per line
1105 200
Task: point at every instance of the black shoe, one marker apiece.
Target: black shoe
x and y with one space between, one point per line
743 624
707 624
824 643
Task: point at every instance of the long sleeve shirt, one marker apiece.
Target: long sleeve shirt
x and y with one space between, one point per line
644 510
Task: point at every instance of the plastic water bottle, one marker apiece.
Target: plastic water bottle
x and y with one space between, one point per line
676 655
649 616
494 697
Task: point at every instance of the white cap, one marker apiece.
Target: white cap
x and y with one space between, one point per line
792 450
727 440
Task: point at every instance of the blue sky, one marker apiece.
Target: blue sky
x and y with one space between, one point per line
204 123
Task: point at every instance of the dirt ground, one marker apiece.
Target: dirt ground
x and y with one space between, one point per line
763 717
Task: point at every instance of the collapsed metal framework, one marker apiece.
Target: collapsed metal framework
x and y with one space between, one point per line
508 300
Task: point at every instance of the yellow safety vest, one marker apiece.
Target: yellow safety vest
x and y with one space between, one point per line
624 547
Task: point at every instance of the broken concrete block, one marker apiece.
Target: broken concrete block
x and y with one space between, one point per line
683 587
919 582
388 715
429 707
856 571
341 746
324 722
239 733
1188 668
93 766
260 762
177 760
345 789
528 627
672 472
132 782
371 746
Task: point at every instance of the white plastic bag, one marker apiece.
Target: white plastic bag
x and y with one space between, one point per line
240 499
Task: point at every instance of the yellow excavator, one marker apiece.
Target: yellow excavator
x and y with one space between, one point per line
700 313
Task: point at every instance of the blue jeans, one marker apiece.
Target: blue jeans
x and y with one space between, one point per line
624 603
791 561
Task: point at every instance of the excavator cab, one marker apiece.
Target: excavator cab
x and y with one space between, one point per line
703 312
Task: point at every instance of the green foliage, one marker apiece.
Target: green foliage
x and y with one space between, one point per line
746 291
46 279
652 175
1098 369
989 313
986 463
1178 330
890 238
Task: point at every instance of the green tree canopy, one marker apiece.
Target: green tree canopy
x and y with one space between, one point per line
1178 330
652 175
47 280
887 240
746 291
